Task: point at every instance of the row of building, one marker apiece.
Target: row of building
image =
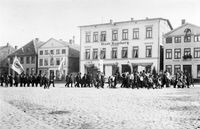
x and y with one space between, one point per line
138 45
39 57
116 47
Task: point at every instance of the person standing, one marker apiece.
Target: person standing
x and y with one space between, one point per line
51 80
67 80
16 79
10 80
2 79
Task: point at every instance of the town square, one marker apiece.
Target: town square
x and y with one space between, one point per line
99 64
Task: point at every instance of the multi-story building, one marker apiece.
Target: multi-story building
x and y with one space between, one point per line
182 49
28 57
126 46
4 52
52 52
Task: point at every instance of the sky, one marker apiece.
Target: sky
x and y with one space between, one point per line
24 20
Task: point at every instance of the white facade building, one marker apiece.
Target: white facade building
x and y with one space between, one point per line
122 46
52 52
182 50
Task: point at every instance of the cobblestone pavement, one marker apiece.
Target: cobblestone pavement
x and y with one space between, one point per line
90 108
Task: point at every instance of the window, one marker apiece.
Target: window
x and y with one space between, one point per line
197 38
57 51
63 51
32 59
148 51
46 62
198 71
114 53
136 33
187 38
168 53
51 52
41 62
103 36
103 53
21 60
87 54
87 37
115 35
187 51
177 53
46 52
169 40
196 52
51 61
57 61
95 53
41 52
149 32
125 34
95 36
28 60
135 52
177 68
177 39
124 52
169 68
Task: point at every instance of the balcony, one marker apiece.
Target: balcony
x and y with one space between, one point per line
187 57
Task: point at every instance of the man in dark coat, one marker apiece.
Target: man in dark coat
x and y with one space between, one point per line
16 79
51 80
11 80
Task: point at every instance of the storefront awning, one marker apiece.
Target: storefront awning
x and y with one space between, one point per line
142 64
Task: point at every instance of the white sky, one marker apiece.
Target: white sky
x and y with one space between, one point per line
23 20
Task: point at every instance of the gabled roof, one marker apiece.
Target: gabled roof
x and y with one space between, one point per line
57 41
179 31
28 49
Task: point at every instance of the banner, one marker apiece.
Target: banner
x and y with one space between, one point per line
61 66
16 66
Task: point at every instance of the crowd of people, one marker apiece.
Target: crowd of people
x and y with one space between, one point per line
26 80
141 79
137 80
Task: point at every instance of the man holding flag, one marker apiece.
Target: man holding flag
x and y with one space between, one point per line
16 66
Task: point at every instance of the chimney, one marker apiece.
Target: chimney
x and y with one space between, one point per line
7 44
36 39
15 47
147 18
111 21
132 19
182 21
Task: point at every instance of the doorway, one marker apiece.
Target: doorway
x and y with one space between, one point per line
187 69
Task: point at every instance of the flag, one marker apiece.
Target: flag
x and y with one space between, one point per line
16 66
61 66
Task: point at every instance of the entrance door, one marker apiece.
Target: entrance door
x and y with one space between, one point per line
187 69
126 68
51 72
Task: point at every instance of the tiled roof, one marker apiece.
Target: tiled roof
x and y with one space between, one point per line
28 49
180 30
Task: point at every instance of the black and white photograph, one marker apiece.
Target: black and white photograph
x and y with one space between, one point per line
99 64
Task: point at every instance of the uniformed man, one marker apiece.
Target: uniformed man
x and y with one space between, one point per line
10 80
2 79
16 79
51 80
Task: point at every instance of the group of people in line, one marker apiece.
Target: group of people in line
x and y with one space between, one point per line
141 79
26 80
137 80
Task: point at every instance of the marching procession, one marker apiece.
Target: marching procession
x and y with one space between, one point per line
134 80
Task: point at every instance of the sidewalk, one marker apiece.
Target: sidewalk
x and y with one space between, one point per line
13 118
